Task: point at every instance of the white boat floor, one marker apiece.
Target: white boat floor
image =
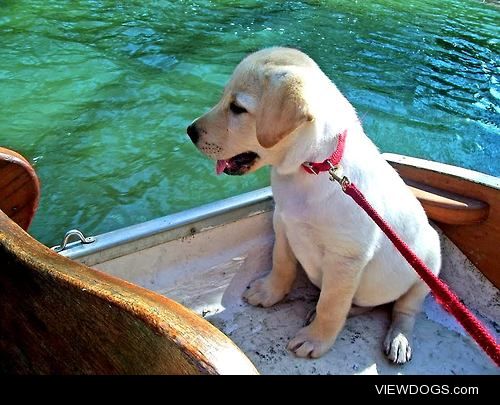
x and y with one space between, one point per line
263 333
200 275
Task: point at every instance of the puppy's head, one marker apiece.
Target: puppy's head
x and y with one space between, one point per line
262 104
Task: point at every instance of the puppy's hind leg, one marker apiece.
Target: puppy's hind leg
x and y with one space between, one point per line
398 341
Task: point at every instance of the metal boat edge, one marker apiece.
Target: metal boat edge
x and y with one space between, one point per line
123 241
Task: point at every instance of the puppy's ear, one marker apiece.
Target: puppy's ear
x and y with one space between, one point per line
282 107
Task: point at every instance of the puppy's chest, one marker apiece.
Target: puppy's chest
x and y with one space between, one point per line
306 230
302 207
300 211
310 233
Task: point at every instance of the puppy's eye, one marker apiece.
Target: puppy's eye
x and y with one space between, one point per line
236 109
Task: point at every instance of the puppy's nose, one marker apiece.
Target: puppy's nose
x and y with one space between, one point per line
193 133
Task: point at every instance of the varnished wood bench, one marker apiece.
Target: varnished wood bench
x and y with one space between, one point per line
449 208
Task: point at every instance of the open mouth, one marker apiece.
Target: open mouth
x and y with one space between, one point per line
237 165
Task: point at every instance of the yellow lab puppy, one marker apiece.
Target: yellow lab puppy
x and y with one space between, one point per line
280 109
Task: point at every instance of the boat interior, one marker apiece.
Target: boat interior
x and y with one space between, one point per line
165 296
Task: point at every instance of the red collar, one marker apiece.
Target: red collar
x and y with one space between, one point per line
333 160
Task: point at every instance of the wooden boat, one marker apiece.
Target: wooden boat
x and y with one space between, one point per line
164 296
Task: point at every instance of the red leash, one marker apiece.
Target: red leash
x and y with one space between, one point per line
441 291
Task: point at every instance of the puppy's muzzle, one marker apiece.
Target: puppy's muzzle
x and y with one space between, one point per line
193 133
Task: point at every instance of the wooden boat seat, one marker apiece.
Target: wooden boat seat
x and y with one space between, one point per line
19 188
448 208
61 317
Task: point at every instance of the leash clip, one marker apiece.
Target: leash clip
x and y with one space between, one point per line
336 174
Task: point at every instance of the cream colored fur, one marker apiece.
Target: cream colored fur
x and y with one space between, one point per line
294 114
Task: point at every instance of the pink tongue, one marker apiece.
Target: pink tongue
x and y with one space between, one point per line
220 166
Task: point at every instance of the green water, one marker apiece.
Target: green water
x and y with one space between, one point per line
97 94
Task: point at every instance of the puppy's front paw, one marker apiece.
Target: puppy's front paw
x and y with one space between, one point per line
308 343
262 292
397 347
